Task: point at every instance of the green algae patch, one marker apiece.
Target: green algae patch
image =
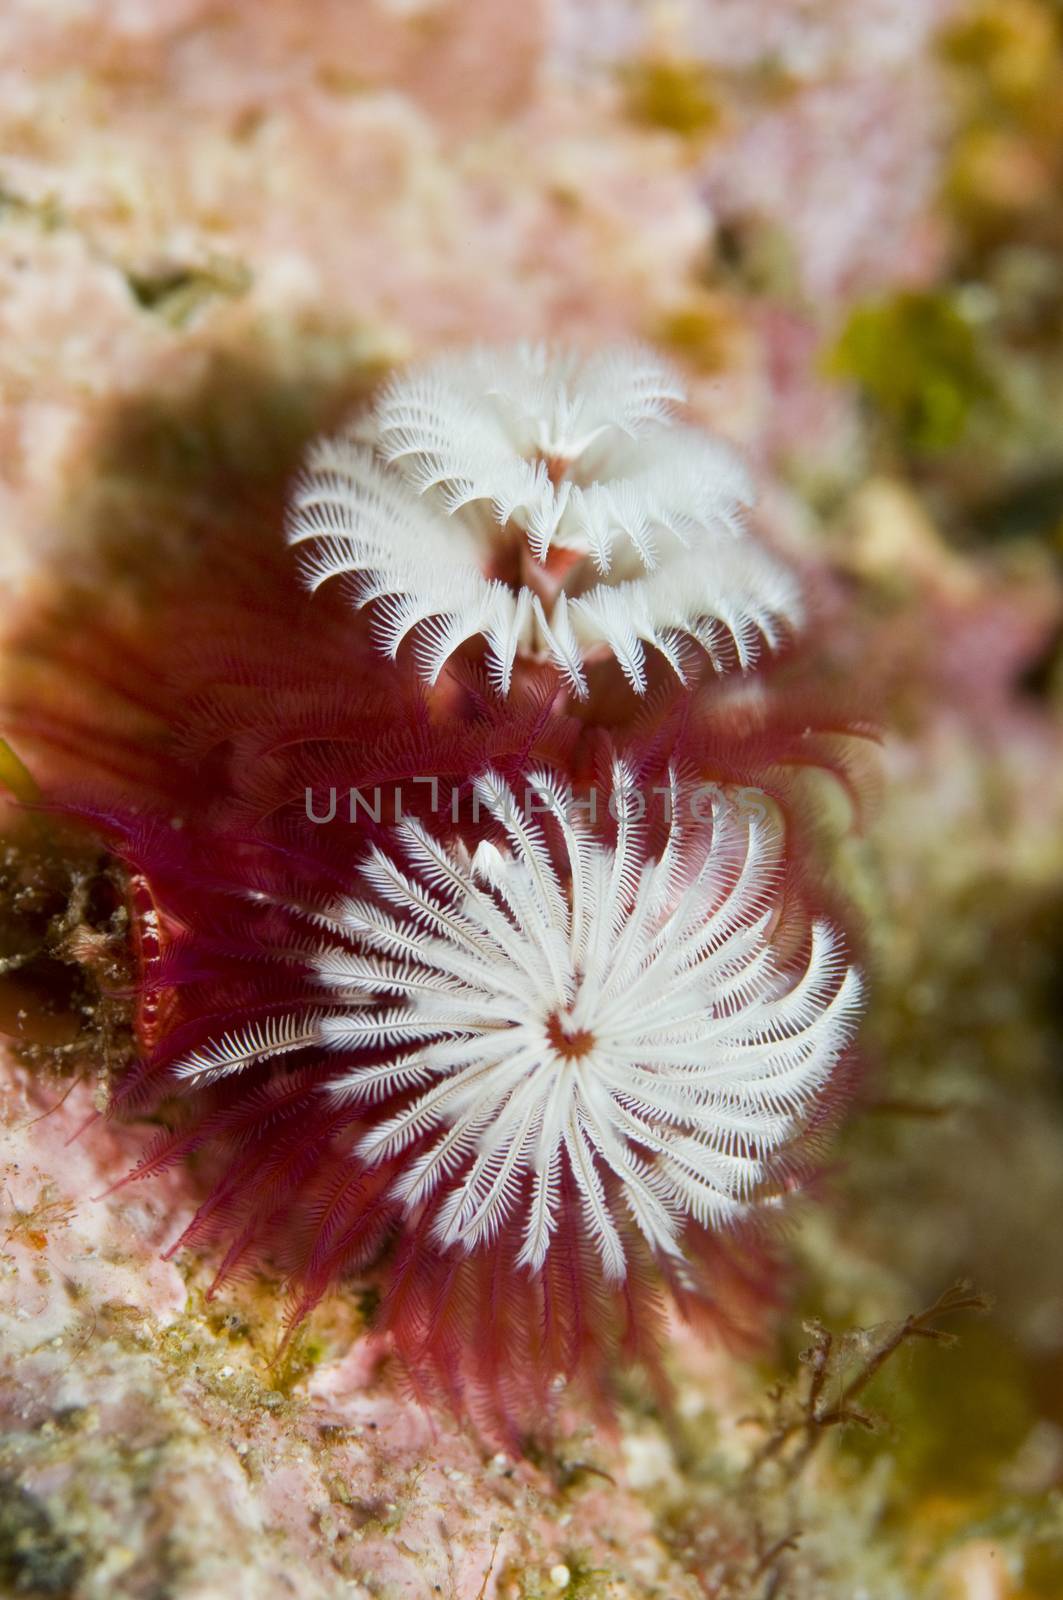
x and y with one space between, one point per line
955 1422
675 95
703 331
917 361
177 293
36 1560
1042 1568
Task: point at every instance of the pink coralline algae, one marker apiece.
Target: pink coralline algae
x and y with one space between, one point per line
372 184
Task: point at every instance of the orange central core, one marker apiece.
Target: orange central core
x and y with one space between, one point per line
572 1044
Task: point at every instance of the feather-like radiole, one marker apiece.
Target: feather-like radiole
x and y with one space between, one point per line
619 529
590 1010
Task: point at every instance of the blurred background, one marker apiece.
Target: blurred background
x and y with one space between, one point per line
220 222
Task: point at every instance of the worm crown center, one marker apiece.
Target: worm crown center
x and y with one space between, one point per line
570 1042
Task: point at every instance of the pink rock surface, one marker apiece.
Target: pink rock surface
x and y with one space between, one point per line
152 1427
331 184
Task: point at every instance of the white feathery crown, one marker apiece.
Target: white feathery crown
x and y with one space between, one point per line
585 1006
550 503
